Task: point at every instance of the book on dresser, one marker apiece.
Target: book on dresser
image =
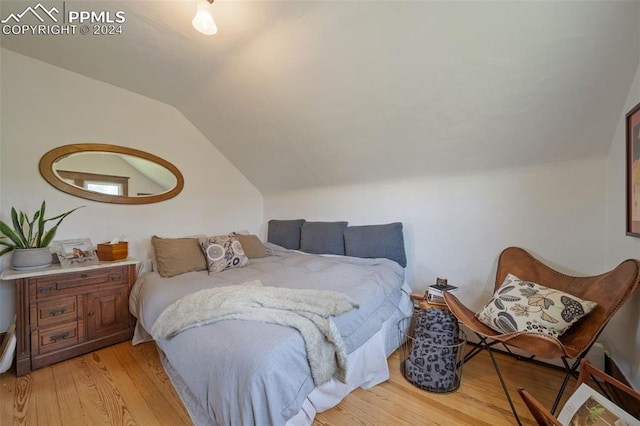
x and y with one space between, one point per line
434 293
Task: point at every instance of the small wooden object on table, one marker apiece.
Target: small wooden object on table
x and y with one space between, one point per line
117 251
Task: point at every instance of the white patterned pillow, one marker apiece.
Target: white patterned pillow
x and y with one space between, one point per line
223 252
525 306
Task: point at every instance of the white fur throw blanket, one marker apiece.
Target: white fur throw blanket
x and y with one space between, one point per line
308 311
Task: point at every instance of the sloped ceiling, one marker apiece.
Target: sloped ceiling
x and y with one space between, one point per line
300 94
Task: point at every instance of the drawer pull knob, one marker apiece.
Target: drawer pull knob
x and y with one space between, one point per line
83 276
115 277
60 336
57 311
91 313
45 289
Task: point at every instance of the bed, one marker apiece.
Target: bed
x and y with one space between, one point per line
247 372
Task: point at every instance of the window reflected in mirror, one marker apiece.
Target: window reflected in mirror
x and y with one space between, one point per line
103 184
110 173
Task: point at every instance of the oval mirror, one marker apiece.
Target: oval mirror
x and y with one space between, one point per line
111 174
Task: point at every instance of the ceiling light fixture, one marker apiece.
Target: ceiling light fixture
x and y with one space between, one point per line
203 21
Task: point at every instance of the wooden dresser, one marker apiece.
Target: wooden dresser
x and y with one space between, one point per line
66 312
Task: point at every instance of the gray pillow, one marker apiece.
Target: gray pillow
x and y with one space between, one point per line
323 237
371 241
285 233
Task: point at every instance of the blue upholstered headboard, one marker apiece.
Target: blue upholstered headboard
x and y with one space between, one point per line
368 241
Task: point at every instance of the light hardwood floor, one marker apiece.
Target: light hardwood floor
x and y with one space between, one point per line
125 385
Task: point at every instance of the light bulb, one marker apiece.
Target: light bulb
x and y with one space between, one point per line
203 21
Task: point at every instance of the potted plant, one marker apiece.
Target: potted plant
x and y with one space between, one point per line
28 239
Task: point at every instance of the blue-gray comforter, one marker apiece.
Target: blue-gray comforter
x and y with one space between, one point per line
250 373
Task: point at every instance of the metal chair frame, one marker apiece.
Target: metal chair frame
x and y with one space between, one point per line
609 290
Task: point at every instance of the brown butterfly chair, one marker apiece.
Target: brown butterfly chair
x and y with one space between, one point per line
609 290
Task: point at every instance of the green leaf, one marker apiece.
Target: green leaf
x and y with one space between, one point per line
32 238
51 233
13 236
41 222
7 243
5 251
17 224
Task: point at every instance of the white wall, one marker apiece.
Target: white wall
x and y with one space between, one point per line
570 214
455 226
622 335
44 107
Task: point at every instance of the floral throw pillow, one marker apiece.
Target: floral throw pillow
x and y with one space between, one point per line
525 306
223 252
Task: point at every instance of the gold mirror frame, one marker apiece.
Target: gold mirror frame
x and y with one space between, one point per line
48 160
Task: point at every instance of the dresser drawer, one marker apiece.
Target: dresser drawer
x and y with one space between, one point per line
54 311
54 338
61 284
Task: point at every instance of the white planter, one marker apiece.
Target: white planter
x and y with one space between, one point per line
34 258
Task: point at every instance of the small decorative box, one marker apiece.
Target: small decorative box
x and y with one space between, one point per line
117 251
